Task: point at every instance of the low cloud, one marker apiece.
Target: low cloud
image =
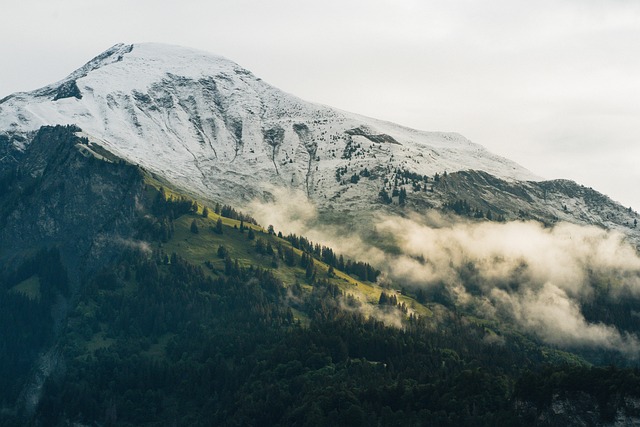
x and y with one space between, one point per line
553 316
390 316
534 275
291 212
139 245
565 254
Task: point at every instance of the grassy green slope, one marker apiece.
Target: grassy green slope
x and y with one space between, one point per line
202 247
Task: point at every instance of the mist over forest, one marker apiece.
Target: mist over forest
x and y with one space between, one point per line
534 276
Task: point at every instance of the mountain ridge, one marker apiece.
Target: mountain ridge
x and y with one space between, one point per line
218 132
150 83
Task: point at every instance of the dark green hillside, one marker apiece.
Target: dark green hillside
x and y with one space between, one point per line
64 194
156 339
124 302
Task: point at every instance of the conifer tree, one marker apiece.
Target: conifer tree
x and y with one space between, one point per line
402 196
330 272
228 265
309 271
260 246
384 196
384 299
222 251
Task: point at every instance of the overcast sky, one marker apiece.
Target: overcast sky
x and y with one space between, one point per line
551 84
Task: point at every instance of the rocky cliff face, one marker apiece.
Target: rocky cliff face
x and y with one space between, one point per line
59 192
546 201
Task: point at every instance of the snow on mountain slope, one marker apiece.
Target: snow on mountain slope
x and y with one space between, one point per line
214 129
209 125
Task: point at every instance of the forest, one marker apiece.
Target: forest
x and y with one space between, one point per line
158 337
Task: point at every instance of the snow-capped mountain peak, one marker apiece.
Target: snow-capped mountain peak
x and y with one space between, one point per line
207 124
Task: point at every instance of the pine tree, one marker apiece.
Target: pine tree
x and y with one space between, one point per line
384 299
218 227
205 212
251 234
402 196
309 271
384 196
222 252
228 265
194 227
289 257
260 246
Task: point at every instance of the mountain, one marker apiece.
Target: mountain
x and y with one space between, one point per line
217 131
434 282
123 302
197 117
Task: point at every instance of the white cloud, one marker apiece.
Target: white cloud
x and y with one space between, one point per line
556 318
534 275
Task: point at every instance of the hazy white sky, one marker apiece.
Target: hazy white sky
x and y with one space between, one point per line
551 84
